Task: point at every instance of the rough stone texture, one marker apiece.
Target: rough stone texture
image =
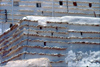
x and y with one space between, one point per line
38 62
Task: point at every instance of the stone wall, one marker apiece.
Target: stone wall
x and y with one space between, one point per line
27 40
61 8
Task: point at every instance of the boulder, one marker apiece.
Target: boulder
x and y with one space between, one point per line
38 62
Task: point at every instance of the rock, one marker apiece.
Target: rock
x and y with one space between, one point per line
38 62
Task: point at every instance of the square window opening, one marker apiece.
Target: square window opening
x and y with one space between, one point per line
40 28
90 4
60 2
38 4
74 3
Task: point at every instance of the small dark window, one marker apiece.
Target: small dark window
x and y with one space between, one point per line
60 2
42 12
40 28
44 43
74 4
90 4
81 33
38 4
56 28
11 25
51 34
16 3
37 32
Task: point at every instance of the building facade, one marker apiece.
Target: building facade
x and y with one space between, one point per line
28 39
16 9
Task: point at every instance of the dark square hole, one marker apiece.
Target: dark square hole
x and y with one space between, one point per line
51 34
74 3
40 28
56 28
38 4
90 4
44 43
60 2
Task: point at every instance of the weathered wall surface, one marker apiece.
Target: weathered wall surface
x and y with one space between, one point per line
59 8
32 40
